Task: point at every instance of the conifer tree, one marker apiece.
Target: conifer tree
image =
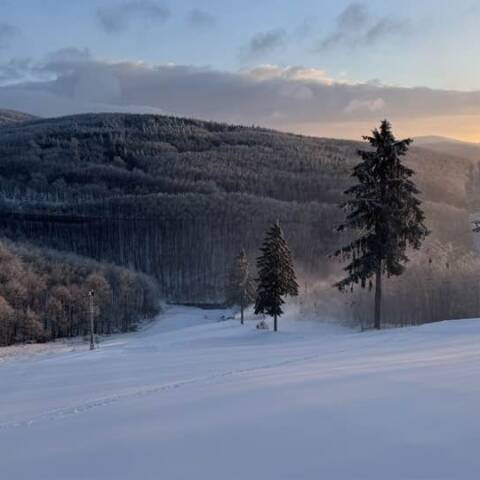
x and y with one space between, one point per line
276 274
384 209
240 288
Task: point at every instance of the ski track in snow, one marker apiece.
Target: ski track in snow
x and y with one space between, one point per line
376 363
180 398
140 392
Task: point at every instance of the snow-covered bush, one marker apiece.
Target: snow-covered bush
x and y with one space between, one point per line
262 325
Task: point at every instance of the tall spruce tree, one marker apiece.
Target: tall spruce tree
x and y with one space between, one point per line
276 275
240 287
385 210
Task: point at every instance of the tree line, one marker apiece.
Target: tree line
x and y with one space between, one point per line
44 295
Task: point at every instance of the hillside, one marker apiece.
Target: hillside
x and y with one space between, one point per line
177 198
10 117
44 295
191 397
470 151
426 140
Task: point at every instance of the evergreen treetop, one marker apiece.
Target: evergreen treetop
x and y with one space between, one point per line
276 274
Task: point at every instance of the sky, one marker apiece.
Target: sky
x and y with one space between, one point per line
324 68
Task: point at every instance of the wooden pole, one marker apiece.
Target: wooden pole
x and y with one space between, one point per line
91 294
378 297
242 306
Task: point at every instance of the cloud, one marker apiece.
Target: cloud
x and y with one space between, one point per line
386 27
304 100
14 70
356 26
68 55
119 18
353 17
271 72
371 105
7 33
264 42
200 19
60 62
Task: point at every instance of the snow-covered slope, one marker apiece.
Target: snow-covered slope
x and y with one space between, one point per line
193 398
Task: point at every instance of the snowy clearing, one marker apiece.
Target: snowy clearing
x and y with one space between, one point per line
190 397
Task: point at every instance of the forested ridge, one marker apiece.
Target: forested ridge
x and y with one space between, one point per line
178 198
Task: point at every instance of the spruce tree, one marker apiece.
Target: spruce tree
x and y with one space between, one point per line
276 274
384 209
240 288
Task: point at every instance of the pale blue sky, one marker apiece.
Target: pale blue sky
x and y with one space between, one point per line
439 47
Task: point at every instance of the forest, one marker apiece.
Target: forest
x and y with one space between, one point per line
44 295
178 198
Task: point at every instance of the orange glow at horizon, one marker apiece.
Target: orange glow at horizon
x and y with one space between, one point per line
465 128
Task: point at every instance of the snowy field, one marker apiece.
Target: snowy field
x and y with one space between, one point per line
189 397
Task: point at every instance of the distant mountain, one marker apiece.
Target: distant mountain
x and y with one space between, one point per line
431 139
9 117
470 151
178 198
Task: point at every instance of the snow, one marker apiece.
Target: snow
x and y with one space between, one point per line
192 397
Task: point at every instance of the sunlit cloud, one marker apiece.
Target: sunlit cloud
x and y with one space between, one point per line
304 100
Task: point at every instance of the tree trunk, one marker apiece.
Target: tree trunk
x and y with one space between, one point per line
241 310
378 296
275 327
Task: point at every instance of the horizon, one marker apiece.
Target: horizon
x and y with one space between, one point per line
313 68
424 138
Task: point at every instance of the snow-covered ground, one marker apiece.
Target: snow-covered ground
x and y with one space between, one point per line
189 397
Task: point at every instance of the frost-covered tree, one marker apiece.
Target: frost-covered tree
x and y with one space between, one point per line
276 274
384 209
240 288
7 319
43 295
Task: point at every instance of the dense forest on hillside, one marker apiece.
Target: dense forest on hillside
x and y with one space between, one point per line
178 198
43 295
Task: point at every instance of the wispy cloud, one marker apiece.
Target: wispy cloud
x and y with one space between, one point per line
356 25
116 19
200 19
264 42
15 70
